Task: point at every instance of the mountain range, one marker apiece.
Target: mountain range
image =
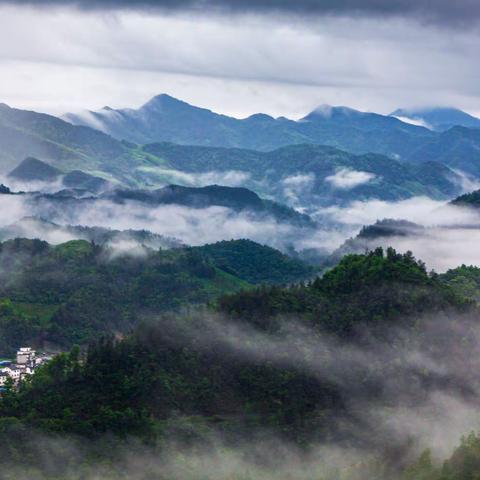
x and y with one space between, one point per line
165 118
439 119
332 155
297 175
306 175
34 171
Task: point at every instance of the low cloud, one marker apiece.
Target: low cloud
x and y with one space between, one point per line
451 236
467 183
346 179
445 405
296 185
422 210
229 178
419 122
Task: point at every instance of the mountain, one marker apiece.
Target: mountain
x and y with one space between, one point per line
267 370
194 215
458 148
363 289
64 146
34 170
74 291
84 181
68 148
437 118
38 228
373 236
255 263
308 175
235 198
471 199
162 118
165 118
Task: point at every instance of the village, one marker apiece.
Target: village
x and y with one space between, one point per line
26 362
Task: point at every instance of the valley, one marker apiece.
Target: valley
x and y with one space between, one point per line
245 298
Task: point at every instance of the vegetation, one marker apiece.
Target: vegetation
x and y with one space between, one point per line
468 200
465 280
73 292
268 171
179 377
298 151
376 288
255 263
181 360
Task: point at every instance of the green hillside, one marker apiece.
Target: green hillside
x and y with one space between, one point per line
276 172
182 378
64 146
270 169
75 291
373 289
166 119
255 263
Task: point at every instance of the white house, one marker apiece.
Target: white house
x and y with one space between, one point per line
25 355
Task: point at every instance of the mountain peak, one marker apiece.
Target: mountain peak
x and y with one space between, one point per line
31 169
437 118
260 117
164 100
329 112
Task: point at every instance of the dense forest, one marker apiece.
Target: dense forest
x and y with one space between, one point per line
270 359
73 292
371 289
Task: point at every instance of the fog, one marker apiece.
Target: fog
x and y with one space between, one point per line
346 179
425 379
451 236
229 178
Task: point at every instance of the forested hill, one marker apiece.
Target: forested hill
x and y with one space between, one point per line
181 377
374 289
73 292
236 198
468 200
255 263
372 236
383 177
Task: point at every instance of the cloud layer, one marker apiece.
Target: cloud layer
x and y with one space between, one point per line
346 179
62 59
441 11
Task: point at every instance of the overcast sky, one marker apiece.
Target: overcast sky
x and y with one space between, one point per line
240 56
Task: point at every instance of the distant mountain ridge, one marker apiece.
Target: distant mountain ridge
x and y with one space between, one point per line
236 199
68 148
34 171
34 227
313 174
166 119
299 175
437 118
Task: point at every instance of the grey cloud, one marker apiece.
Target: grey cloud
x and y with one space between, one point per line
440 11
